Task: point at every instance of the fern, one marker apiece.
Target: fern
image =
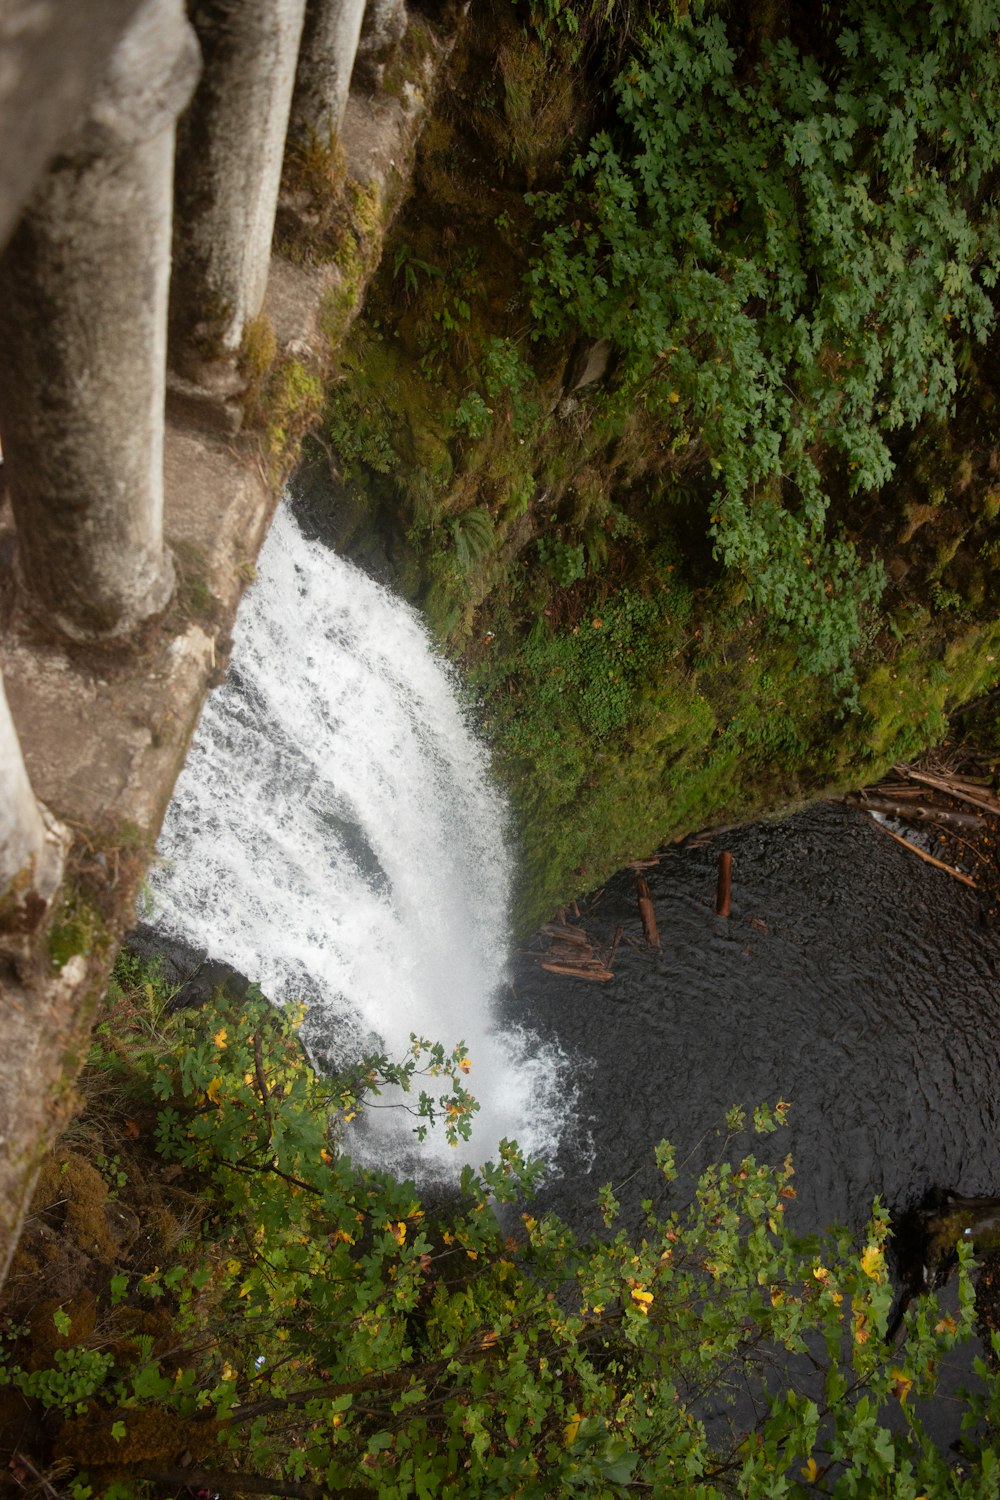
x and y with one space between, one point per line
473 535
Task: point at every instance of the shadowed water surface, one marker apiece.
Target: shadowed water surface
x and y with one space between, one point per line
851 979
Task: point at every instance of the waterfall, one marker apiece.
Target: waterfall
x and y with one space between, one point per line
334 835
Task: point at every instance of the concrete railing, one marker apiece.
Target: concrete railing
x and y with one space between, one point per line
135 248
120 227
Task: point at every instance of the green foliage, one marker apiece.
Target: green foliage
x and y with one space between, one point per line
408 270
565 561
508 380
794 262
326 1328
472 532
358 432
581 683
472 415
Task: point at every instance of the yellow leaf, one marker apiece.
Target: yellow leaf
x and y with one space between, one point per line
810 1471
901 1384
641 1298
821 1273
674 397
872 1262
213 1090
572 1428
220 1038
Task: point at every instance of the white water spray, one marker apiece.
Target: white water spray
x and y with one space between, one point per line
334 836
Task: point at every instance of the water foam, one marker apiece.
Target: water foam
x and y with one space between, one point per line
335 835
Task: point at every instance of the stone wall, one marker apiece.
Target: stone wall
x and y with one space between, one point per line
136 271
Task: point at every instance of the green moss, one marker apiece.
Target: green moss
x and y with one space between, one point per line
77 928
292 404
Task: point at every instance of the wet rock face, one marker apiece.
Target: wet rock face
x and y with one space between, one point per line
196 976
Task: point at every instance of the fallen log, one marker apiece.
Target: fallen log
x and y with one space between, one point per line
569 953
929 859
724 884
646 911
573 971
953 788
563 934
923 812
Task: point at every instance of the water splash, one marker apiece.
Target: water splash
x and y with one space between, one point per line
334 834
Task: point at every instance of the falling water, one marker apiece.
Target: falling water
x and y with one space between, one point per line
335 836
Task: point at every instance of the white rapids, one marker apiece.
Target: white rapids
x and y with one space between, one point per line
335 836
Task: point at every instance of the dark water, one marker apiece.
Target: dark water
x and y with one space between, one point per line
850 979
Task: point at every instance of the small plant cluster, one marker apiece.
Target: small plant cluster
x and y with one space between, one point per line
794 261
320 1330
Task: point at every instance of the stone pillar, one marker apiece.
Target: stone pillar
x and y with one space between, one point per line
83 304
230 146
31 845
326 60
382 29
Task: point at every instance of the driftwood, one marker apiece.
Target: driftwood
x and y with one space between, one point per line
590 970
572 954
724 884
646 911
954 787
952 794
898 806
929 859
562 933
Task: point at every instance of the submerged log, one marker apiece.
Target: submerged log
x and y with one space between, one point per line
646 911
724 884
